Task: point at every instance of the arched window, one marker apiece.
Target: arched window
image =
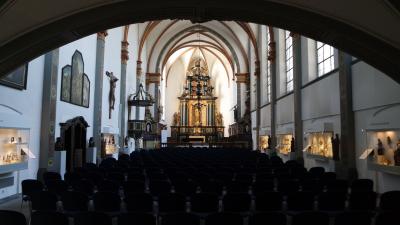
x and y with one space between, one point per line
289 61
325 58
75 84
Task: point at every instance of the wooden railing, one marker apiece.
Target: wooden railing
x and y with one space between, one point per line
197 131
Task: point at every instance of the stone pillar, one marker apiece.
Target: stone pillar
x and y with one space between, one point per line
123 99
272 69
49 106
98 89
297 81
241 80
137 109
346 166
258 102
138 81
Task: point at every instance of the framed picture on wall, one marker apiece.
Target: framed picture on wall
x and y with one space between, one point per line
16 79
86 91
75 84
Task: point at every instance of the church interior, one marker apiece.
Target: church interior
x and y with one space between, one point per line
193 117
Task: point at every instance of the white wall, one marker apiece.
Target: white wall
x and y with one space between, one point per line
322 98
29 103
376 102
285 110
64 110
112 63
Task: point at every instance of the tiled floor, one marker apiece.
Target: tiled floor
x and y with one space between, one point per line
14 203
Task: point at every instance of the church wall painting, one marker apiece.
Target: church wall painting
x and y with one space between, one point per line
75 84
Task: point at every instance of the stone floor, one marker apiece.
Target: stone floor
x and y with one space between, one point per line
14 203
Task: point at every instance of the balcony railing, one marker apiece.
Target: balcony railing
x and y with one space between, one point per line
197 131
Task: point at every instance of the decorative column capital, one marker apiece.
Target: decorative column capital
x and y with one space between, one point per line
242 78
139 68
153 78
272 51
124 52
102 35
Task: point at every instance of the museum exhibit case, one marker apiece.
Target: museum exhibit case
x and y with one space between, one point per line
319 144
14 149
383 147
264 142
109 145
284 142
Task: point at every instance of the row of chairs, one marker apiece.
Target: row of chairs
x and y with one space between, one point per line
98 218
189 187
209 203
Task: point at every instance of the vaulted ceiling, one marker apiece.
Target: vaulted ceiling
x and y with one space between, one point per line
368 29
228 41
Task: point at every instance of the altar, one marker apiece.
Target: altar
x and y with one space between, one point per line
198 119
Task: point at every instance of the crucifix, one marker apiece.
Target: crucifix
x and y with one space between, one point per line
111 95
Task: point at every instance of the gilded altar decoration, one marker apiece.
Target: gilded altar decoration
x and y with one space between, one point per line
177 119
284 143
198 115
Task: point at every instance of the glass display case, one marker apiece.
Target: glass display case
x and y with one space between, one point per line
109 144
14 147
264 142
284 142
384 146
320 144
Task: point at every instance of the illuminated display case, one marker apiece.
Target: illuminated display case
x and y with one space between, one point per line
284 143
264 140
320 144
109 144
383 146
14 149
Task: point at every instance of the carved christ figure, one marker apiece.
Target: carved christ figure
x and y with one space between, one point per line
111 95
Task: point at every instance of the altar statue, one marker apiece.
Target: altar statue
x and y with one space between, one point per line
177 119
219 120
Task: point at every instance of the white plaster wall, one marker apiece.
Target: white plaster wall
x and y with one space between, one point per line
131 73
284 110
64 110
372 88
225 100
322 98
265 115
112 63
29 103
173 91
376 102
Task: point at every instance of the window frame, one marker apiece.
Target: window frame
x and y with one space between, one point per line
289 61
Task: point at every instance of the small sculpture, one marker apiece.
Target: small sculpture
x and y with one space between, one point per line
219 119
59 145
91 142
397 154
177 119
335 147
380 148
292 145
111 95
269 142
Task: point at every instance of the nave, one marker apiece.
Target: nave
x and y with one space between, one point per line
200 186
